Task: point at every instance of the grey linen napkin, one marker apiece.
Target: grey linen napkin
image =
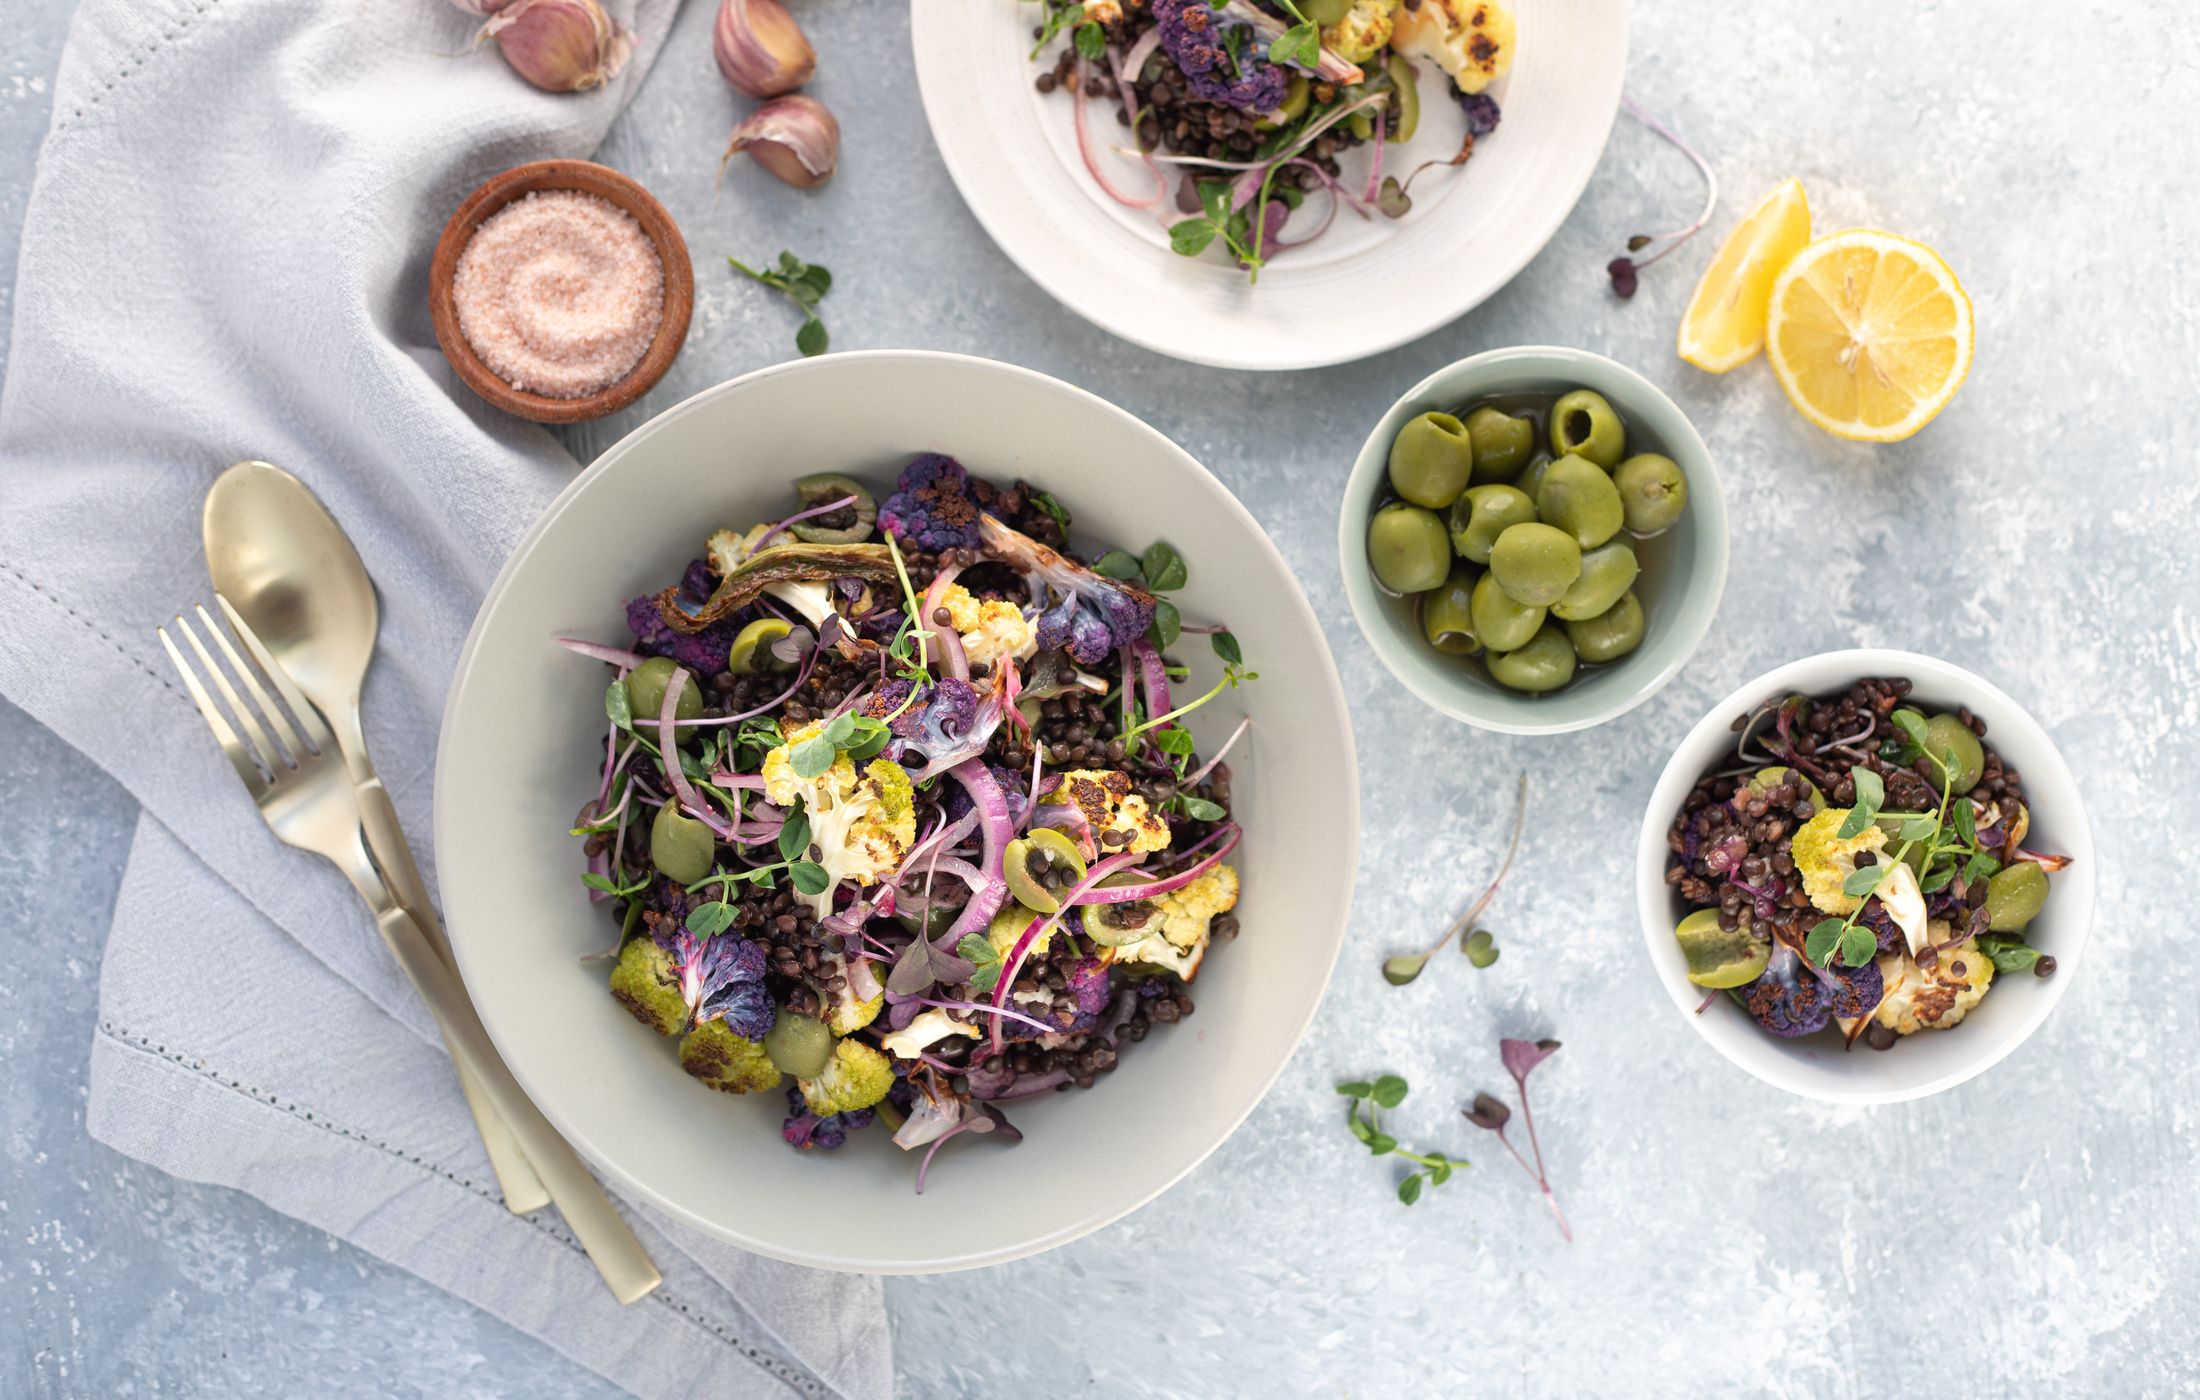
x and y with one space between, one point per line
224 256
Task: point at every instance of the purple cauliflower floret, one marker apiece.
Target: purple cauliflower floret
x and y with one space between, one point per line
932 507
806 1130
1088 982
1091 615
1482 112
703 653
1786 999
722 978
1197 43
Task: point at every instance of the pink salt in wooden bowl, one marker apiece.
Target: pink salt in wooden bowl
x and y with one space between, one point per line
587 178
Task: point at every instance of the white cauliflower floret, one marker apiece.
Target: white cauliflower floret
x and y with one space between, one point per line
925 1029
1918 1000
1182 924
1105 797
1103 11
1825 860
1363 31
862 823
1472 40
991 628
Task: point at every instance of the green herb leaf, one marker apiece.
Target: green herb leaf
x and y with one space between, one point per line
1361 1128
1226 647
1822 940
1865 880
1164 568
1912 725
710 920
1300 44
1858 945
1168 625
1403 968
1936 879
1174 740
1381 1143
1920 829
979 951
1480 948
1199 809
812 756
809 877
1356 1088
1966 821
1390 1091
1214 200
1044 500
1979 867
2009 953
803 283
1090 40
1871 795
812 338
1116 564
618 705
1190 237
1409 1190
1392 199
872 736
794 833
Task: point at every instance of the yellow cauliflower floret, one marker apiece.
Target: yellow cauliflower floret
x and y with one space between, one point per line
1825 860
856 1077
861 823
991 628
1362 32
1472 40
715 1055
1182 924
850 1013
782 785
1919 1000
1105 797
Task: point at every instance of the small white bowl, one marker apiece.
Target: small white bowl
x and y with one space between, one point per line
1816 1067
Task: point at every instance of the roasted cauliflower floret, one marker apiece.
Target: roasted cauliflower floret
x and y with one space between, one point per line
925 1029
1363 31
1105 797
647 983
715 1055
1182 924
856 1077
1472 40
991 628
861 823
1825 860
1919 1000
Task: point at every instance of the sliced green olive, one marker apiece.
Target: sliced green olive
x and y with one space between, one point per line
1719 957
1039 865
1110 926
1295 95
823 489
1766 779
645 693
1405 115
751 650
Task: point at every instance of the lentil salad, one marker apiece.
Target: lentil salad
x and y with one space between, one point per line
932 838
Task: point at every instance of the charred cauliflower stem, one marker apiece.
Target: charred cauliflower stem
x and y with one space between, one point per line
899 814
1859 861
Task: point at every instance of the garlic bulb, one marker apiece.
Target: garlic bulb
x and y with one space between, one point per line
760 48
560 45
794 137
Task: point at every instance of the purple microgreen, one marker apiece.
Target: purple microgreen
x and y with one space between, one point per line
1626 271
1520 1058
1488 1112
1402 968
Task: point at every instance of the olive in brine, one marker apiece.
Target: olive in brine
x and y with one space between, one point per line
1584 425
1408 548
1576 496
1500 622
1447 615
1652 492
1609 635
1545 663
1431 460
1607 572
1535 563
1502 443
1484 513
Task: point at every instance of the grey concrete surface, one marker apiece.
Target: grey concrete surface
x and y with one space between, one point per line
2031 1233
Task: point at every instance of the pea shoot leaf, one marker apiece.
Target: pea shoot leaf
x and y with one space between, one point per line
1168 625
618 705
1091 41
1864 881
1858 944
1226 647
1300 44
1871 795
805 284
1822 940
809 877
1199 809
1190 237
710 920
982 955
1409 1190
1116 564
1163 567
1390 1091
1356 1088
794 833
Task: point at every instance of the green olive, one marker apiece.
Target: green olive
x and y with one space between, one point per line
1609 635
1545 663
798 1045
1766 779
680 847
1484 513
1431 459
1719 957
1951 740
1583 424
1405 102
751 650
851 524
2014 896
1502 443
1447 615
1294 105
1325 12
1530 479
645 694
1501 623
1039 866
1576 496
1117 925
1535 563
1652 491
1408 548
1607 572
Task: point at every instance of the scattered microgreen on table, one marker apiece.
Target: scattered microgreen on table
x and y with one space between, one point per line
1491 1114
807 284
1363 1116
1477 943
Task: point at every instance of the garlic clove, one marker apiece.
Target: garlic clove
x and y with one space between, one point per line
560 45
760 48
794 137
481 8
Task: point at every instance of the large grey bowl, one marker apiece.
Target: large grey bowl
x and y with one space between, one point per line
1681 579
523 736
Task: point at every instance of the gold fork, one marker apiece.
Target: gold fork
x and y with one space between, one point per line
306 797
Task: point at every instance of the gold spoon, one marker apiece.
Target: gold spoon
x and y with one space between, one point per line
286 565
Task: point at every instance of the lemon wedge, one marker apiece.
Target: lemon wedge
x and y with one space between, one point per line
1870 335
1725 324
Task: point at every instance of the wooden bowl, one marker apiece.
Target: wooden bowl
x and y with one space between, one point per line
587 178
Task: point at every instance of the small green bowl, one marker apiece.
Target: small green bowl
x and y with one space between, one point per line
1679 588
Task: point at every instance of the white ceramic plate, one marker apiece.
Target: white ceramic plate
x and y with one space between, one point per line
1925 1063
1364 287
522 740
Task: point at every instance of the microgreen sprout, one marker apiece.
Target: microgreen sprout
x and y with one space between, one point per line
1479 946
1363 1117
1488 1112
807 284
1625 270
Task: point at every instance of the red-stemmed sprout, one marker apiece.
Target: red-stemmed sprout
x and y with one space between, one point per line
1521 1057
1625 270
